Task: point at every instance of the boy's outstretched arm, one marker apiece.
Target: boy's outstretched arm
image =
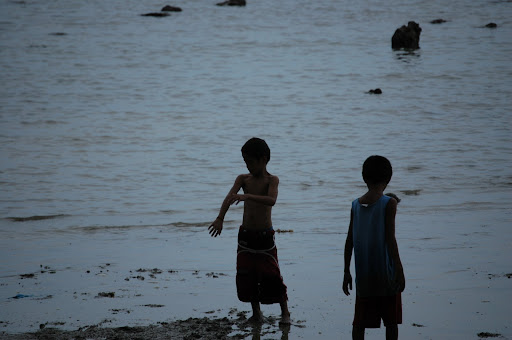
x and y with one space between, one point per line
216 227
392 244
349 246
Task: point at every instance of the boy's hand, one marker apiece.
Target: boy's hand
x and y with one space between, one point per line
347 283
216 227
400 279
236 198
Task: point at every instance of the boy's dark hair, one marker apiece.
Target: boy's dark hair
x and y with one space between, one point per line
257 148
377 169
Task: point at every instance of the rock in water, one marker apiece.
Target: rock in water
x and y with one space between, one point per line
156 14
407 37
438 21
376 91
171 9
232 3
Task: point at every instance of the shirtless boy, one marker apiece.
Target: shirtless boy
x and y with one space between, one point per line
258 277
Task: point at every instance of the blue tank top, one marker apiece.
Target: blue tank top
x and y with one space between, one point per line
374 267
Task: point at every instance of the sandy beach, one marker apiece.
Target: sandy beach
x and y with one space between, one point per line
122 308
121 136
458 285
193 328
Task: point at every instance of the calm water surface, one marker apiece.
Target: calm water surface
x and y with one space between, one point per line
125 127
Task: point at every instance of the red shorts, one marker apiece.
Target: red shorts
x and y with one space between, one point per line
370 310
258 278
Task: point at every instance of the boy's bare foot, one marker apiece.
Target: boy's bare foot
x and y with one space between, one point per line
285 319
285 313
257 316
256 319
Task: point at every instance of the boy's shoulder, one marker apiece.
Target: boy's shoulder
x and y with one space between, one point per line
243 176
273 178
366 201
269 177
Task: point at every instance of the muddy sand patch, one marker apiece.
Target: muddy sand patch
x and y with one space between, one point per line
192 328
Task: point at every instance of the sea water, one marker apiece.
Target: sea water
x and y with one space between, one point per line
120 136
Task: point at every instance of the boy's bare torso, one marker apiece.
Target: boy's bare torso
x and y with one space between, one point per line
257 216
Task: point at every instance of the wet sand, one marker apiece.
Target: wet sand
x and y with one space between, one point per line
192 328
215 324
157 282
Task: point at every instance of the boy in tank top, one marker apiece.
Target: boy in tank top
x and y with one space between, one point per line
379 272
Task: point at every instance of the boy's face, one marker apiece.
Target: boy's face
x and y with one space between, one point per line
256 166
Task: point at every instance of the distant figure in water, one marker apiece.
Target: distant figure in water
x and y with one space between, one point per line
258 277
380 276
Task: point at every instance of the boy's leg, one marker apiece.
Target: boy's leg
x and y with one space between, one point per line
357 333
257 316
391 332
391 311
285 313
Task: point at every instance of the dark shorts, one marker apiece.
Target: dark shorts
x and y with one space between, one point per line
370 310
258 277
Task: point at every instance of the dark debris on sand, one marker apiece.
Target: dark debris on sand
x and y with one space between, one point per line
489 335
192 328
